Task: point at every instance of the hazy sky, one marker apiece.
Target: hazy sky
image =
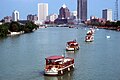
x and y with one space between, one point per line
26 7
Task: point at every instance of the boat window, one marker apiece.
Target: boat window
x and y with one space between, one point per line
49 62
60 62
70 62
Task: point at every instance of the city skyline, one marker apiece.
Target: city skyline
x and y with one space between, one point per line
94 7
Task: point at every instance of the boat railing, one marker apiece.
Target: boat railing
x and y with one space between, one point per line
55 66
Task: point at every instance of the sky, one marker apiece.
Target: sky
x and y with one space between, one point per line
26 7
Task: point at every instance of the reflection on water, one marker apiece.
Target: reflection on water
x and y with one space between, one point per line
67 76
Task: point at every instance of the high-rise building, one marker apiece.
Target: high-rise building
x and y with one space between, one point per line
82 10
64 12
31 17
107 14
15 15
42 11
116 11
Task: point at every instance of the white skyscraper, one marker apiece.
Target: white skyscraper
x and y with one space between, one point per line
107 14
15 15
42 11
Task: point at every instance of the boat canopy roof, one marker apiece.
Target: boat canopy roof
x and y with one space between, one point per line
70 42
54 57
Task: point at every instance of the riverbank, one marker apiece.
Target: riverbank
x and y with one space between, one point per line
15 28
109 25
105 27
15 33
109 28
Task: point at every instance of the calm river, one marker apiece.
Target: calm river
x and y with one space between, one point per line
23 57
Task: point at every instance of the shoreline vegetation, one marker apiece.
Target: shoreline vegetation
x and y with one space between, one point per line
16 28
107 25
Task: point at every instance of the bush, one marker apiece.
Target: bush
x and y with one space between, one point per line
14 27
3 30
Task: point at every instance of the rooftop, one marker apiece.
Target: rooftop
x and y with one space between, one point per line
54 57
64 6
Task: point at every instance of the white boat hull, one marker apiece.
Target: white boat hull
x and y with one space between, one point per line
60 71
89 40
51 73
72 49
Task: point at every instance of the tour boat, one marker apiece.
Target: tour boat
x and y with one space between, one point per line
58 65
72 46
89 38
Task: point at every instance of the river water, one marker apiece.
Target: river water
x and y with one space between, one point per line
23 57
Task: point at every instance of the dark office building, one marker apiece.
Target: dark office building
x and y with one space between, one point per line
82 10
64 12
31 17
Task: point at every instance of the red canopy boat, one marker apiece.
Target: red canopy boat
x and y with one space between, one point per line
72 46
58 65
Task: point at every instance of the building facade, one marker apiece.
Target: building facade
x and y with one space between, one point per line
73 15
107 14
42 11
52 17
96 19
64 12
15 15
32 18
82 10
7 19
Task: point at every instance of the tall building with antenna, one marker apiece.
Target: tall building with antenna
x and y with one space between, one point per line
116 11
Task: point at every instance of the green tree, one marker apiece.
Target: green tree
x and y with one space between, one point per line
108 24
3 30
14 27
118 23
22 27
29 26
